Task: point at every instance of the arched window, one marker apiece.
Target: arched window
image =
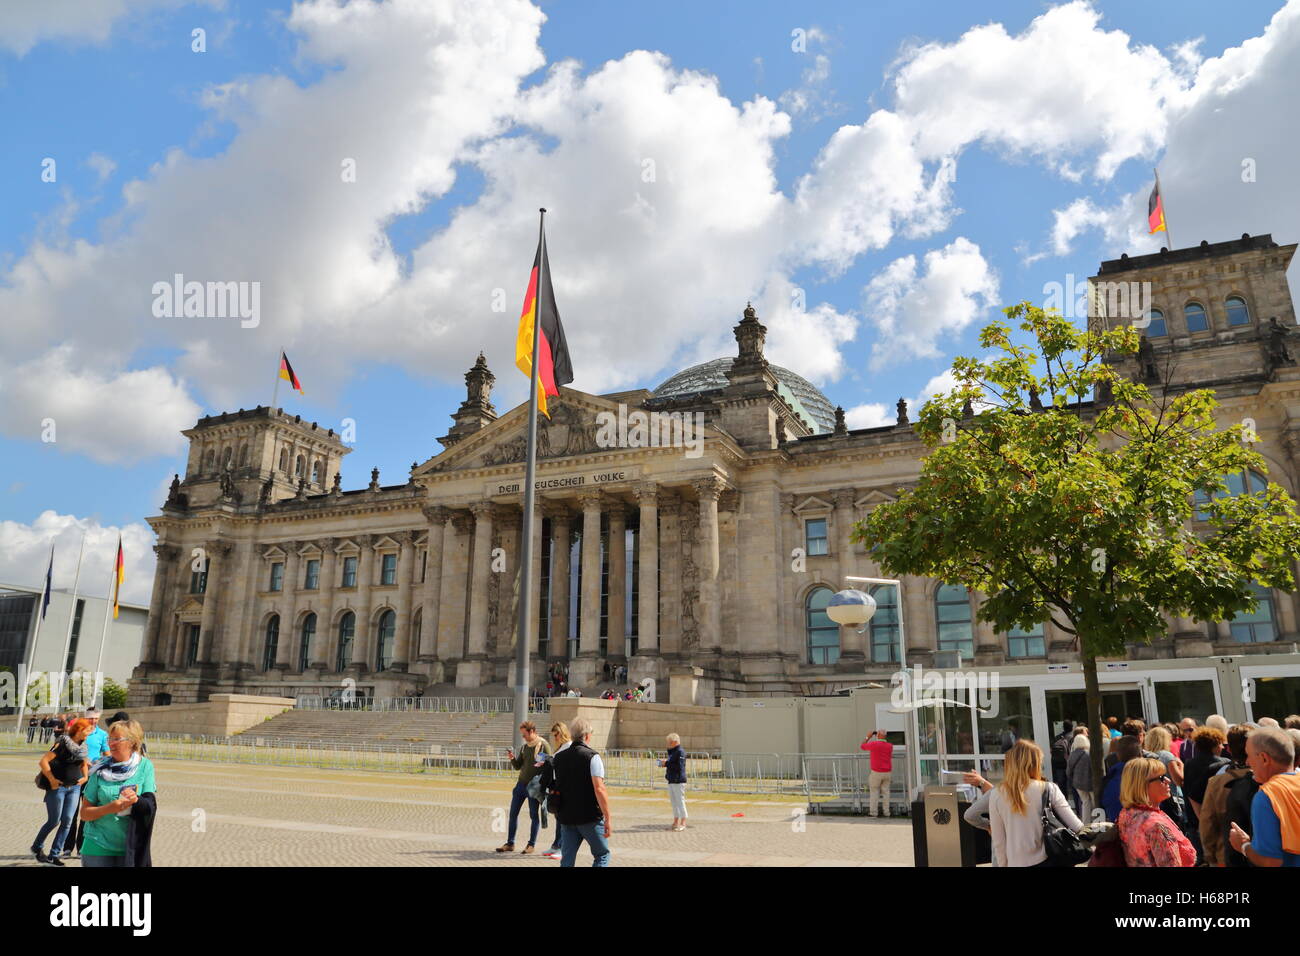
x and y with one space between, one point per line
300 470
1194 313
952 615
226 457
272 642
823 633
1022 643
317 470
1238 484
387 635
1238 314
162 700
1256 628
1157 327
347 630
304 644
243 455
884 625
284 460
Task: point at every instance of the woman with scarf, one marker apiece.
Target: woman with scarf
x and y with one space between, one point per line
63 771
116 784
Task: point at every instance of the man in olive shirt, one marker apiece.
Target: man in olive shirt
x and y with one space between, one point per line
524 763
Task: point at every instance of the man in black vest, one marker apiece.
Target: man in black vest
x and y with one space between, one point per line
584 807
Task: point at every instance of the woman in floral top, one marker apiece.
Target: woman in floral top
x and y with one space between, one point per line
1147 834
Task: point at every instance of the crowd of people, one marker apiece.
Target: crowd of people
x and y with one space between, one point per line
1184 794
98 789
564 778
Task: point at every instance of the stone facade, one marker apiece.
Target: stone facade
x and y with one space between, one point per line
273 580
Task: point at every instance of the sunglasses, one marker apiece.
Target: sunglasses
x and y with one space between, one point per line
1163 778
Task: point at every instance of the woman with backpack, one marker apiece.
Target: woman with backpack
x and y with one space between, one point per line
1016 808
63 771
1078 769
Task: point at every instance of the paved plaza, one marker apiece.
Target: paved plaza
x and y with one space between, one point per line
242 815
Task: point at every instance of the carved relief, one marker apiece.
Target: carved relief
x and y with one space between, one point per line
569 432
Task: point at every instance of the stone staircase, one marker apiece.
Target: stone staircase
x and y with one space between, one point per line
401 730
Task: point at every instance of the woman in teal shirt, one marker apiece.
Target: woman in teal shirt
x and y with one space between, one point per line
116 784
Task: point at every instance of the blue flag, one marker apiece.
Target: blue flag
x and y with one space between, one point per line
49 580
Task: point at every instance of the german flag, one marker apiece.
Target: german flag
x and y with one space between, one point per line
1156 212
286 373
554 368
119 575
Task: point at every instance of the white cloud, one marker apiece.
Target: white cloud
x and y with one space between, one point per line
25 554
918 309
1061 87
1221 130
102 165
23 24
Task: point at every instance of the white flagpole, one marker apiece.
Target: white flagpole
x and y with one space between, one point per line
24 680
275 393
103 634
72 616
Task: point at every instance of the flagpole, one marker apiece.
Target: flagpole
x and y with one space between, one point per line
103 634
275 393
1164 210
530 473
72 616
24 680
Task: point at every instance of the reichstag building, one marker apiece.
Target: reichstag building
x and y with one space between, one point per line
272 578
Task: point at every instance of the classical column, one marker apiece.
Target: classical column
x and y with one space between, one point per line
322 655
406 568
670 574
589 638
470 672
647 496
428 649
452 590
288 603
560 546
617 581
710 611
163 576
918 625
987 645
363 651
215 552
853 646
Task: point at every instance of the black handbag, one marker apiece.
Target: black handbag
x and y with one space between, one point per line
1063 845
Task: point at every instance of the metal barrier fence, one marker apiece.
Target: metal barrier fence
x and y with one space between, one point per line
777 774
842 781
434 705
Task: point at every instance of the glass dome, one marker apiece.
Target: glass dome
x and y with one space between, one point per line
801 394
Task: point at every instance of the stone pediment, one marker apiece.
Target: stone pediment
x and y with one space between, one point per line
191 610
871 499
812 504
570 431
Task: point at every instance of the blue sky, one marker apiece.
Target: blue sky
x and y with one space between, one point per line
126 109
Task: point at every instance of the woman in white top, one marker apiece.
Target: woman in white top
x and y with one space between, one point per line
1016 808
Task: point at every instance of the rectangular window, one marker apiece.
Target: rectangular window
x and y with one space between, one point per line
199 579
1021 643
388 571
192 646
277 576
815 536
349 572
313 574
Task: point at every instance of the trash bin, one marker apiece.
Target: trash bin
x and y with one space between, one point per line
940 834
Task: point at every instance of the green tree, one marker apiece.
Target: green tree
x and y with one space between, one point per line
114 694
1083 511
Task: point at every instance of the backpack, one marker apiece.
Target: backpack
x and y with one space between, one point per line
1060 750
